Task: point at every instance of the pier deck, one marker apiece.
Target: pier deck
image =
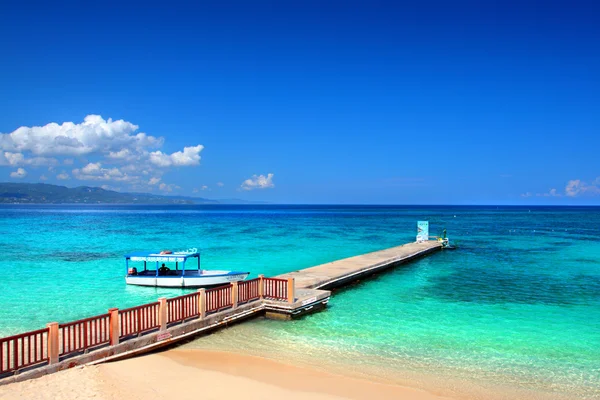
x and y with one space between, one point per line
337 273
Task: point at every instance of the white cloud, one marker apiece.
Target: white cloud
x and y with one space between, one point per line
576 187
16 159
95 172
203 187
93 135
63 176
168 187
108 187
123 154
189 156
43 178
92 168
258 182
220 184
119 151
19 173
552 193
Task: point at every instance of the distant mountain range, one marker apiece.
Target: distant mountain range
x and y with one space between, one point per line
42 193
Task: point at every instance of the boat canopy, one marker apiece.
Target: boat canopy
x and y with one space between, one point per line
162 256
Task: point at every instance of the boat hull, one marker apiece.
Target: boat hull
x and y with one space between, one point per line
193 281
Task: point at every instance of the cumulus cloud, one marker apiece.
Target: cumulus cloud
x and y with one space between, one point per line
63 176
167 187
203 187
43 178
93 135
95 172
19 173
577 187
189 156
258 182
99 150
16 159
574 188
108 187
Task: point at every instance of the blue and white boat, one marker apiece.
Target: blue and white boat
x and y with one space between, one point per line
175 269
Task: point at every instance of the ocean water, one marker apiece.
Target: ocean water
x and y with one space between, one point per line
514 312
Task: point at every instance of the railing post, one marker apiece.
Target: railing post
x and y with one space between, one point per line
234 294
291 290
202 303
113 323
162 313
52 342
261 286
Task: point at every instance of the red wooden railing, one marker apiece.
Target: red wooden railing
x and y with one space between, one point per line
31 348
248 290
83 334
218 298
182 307
23 350
136 320
275 288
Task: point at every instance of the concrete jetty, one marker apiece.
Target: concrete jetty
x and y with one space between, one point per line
338 273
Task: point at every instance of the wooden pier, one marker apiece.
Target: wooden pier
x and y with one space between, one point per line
338 273
129 332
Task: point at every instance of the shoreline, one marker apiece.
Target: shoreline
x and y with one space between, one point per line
189 374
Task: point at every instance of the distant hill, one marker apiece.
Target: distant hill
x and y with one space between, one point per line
42 193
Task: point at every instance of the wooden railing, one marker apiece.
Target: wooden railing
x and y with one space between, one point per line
83 334
23 350
248 290
137 320
57 341
218 298
182 308
275 288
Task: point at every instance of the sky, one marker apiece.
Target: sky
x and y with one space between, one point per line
305 101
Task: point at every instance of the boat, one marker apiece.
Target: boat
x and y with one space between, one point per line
175 269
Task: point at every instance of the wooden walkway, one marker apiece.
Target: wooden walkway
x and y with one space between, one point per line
337 273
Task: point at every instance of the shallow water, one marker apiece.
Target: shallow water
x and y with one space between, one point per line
517 306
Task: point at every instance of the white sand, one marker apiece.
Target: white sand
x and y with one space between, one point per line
181 374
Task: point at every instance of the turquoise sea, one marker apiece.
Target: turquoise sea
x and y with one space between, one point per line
513 313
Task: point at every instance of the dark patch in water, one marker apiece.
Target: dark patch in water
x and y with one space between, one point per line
75 256
474 285
587 260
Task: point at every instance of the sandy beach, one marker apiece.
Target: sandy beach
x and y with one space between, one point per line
192 374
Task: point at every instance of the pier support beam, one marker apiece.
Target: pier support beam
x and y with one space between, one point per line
234 294
113 323
202 303
52 342
162 313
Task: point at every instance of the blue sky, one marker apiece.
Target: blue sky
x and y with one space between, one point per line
343 102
